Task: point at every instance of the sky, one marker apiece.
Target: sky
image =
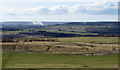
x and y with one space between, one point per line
56 10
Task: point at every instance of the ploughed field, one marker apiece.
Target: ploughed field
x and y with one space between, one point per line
74 52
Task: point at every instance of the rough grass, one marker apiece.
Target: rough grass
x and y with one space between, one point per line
59 46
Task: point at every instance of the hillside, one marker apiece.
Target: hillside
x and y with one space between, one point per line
70 29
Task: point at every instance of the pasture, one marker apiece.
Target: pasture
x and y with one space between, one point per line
45 60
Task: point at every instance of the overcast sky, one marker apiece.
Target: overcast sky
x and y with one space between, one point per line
63 10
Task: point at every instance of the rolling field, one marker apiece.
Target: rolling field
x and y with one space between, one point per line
68 53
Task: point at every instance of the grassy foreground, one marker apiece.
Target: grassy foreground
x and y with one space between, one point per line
44 60
49 60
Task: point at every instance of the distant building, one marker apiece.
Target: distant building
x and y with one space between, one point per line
38 23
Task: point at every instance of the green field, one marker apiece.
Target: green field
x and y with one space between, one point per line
61 58
45 60
91 39
96 40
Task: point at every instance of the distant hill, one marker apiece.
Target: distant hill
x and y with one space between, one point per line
17 23
27 23
52 23
65 29
46 23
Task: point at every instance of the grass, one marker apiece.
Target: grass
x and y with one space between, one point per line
113 40
48 60
90 39
44 60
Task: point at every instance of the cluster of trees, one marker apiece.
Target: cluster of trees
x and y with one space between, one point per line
49 34
28 40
